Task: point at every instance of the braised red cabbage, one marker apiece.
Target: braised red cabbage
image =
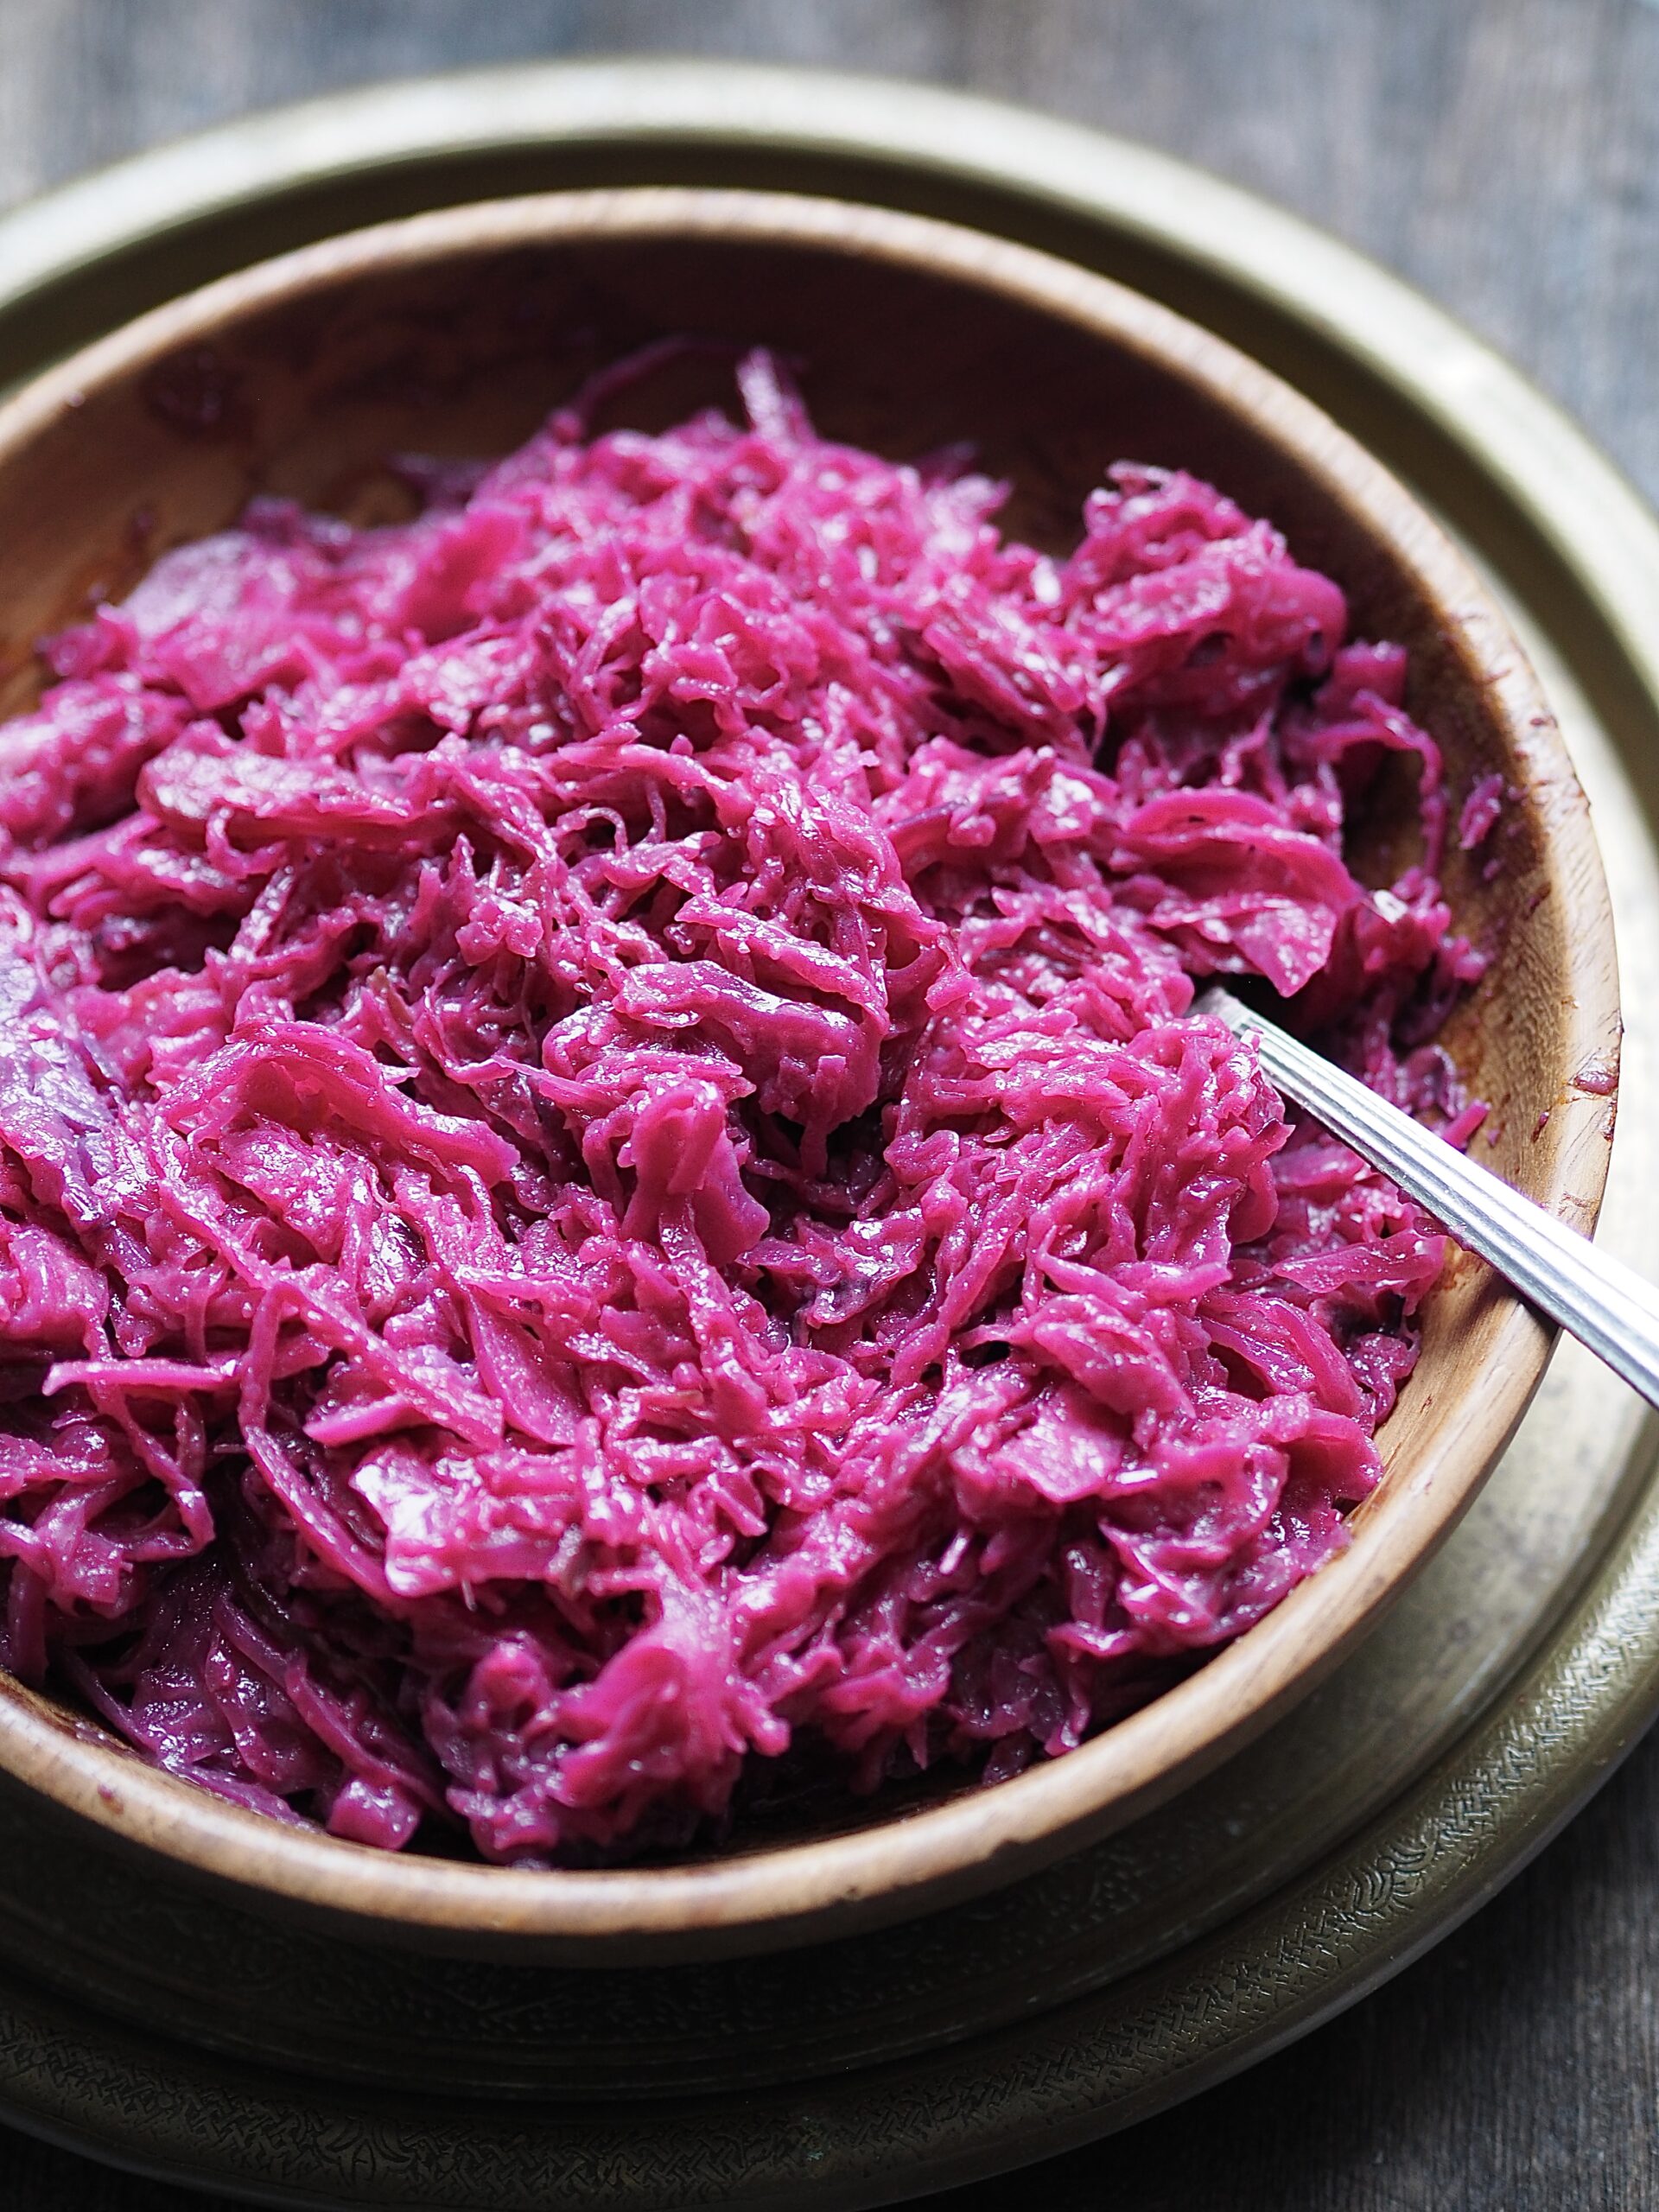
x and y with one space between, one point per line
605 1165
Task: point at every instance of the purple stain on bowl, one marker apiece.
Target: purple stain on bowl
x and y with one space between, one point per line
1598 1077
197 393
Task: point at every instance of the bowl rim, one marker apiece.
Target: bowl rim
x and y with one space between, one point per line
765 1897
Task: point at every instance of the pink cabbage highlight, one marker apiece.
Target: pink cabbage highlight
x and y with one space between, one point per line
605 1170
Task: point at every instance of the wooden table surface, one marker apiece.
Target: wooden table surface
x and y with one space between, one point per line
1504 156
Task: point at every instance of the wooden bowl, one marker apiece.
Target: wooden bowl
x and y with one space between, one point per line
455 332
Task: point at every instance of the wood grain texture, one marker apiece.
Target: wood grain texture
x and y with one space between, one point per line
1504 154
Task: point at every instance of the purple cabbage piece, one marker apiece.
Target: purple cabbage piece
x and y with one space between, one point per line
605 1165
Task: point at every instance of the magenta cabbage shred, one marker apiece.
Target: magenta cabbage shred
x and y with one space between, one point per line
614 1211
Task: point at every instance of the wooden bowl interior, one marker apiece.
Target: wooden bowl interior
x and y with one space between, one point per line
461 345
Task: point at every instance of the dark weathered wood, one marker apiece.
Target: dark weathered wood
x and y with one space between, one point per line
1504 154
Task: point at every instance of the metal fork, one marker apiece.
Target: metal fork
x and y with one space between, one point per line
1595 1297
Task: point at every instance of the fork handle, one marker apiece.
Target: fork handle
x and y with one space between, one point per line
1595 1297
